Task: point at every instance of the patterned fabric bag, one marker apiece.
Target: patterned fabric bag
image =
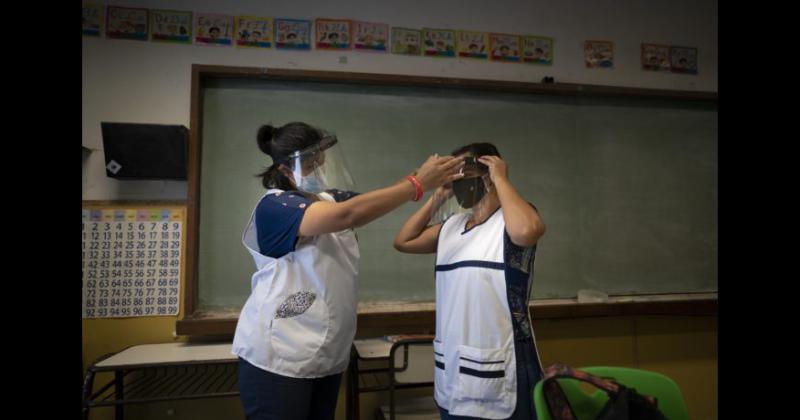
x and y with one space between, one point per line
623 404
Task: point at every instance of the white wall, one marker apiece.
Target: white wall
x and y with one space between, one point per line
135 81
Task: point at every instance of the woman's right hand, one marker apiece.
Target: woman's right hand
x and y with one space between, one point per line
439 170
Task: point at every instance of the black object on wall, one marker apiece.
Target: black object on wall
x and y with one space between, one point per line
145 151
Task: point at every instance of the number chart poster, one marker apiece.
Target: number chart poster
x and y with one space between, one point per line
131 260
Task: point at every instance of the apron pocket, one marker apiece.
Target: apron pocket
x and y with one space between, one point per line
482 374
299 327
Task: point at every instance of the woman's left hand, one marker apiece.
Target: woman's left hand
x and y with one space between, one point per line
497 167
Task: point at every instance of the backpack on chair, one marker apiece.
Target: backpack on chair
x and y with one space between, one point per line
623 404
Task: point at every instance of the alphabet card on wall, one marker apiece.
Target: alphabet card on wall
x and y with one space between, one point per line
333 34
253 32
439 42
537 50
126 23
213 29
683 60
655 57
472 44
505 47
598 54
406 41
171 26
292 34
369 36
92 19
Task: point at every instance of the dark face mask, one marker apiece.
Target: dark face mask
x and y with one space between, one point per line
469 191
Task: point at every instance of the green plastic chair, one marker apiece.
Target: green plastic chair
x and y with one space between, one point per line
588 406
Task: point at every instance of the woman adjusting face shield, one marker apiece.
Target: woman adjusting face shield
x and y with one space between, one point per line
320 167
295 331
484 235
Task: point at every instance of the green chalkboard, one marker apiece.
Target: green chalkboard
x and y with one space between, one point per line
626 187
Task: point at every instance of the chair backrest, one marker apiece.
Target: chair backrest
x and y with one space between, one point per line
413 361
412 357
587 406
411 365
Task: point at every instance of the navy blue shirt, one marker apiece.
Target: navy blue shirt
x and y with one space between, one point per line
278 217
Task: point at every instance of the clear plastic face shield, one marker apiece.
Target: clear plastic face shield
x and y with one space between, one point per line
464 196
320 167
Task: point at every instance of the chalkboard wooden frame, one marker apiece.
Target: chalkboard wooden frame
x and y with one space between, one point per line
195 323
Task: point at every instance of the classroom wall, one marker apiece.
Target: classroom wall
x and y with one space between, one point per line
135 81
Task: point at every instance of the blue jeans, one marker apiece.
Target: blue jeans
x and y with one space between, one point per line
269 396
528 374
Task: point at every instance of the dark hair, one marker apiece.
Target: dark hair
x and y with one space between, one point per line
279 143
213 28
477 150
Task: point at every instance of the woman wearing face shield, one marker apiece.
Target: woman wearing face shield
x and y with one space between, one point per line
484 236
295 330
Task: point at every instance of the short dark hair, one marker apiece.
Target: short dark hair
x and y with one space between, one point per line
477 150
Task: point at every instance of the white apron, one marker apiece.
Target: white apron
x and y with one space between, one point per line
278 330
475 363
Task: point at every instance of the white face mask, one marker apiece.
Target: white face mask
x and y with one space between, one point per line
311 183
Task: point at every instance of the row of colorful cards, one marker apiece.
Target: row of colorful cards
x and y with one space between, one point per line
187 27
296 34
600 54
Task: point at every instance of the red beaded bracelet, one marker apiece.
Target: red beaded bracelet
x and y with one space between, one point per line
417 187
